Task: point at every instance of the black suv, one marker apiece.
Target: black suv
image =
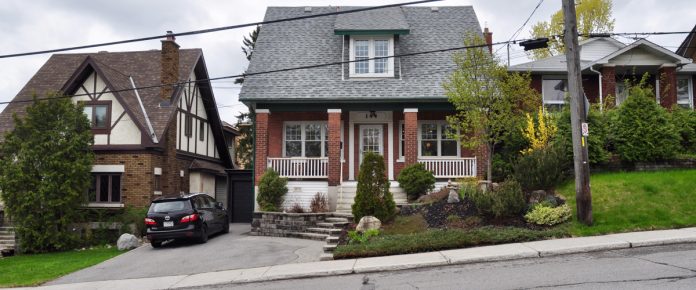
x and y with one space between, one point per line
192 216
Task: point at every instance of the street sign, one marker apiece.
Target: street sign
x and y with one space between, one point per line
585 129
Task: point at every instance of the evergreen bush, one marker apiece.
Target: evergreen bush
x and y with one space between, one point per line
684 121
272 190
599 140
507 200
542 169
416 180
373 197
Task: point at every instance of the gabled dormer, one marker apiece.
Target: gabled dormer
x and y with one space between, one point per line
371 34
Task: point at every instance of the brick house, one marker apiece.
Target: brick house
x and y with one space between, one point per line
313 125
149 142
606 63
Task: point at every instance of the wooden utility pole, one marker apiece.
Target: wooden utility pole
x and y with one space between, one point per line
583 195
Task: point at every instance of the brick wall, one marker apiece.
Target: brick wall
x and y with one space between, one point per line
334 143
261 146
137 180
668 86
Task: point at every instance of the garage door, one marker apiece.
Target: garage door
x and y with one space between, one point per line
241 196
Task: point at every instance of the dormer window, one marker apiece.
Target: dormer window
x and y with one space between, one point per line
363 49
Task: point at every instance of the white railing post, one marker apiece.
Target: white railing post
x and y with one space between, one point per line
450 167
300 167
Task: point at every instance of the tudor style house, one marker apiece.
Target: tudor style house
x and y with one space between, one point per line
606 63
150 138
314 125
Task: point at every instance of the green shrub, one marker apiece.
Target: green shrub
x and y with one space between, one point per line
684 121
642 130
416 180
355 237
598 141
547 215
272 190
507 200
373 197
542 169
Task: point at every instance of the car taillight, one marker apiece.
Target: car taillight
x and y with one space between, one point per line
150 222
189 218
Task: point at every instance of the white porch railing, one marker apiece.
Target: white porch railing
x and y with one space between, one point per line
450 167
300 167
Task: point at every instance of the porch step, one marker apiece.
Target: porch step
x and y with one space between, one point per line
347 215
336 220
332 240
329 248
327 231
325 225
7 242
310 236
6 229
4 236
326 257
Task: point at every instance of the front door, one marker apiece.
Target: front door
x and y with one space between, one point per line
371 140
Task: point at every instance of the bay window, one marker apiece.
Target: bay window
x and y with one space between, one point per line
305 139
436 140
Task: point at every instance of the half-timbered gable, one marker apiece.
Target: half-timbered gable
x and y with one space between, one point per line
194 134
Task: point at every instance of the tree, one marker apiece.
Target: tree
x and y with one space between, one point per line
245 147
373 197
593 16
490 102
45 172
272 190
248 48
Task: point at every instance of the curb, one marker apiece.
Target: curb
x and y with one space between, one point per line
503 252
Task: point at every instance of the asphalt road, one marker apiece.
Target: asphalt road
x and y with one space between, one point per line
236 250
664 267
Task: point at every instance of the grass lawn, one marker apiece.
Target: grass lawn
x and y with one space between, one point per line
31 270
633 201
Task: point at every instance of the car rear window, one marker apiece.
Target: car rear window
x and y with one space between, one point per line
170 206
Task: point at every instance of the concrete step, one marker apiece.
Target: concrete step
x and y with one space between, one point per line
326 257
336 220
329 248
310 236
12 242
325 225
9 229
343 214
332 240
7 236
326 231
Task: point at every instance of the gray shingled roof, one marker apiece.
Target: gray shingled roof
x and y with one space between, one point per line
312 41
381 19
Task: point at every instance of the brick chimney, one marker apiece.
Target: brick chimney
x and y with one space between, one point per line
170 66
489 39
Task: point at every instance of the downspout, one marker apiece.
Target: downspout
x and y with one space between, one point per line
147 119
601 96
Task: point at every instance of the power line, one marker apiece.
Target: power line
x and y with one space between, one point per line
209 30
523 24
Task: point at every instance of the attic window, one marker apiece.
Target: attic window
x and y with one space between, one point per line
98 114
363 49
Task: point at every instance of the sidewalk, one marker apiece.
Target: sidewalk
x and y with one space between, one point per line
528 250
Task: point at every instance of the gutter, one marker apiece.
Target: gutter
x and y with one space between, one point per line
147 119
601 98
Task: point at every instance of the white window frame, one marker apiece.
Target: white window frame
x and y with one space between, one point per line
552 78
439 124
371 54
401 140
303 138
690 85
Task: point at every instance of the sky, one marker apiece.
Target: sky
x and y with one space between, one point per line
46 24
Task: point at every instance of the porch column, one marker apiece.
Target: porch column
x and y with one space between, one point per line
668 85
261 146
608 82
410 136
334 138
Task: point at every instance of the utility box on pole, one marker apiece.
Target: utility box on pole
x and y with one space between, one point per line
581 163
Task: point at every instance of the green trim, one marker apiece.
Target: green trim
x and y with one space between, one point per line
293 107
371 32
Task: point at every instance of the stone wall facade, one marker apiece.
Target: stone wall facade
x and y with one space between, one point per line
278 224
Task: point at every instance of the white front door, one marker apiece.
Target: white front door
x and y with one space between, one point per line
371 137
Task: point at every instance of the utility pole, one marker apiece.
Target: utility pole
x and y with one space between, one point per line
583 195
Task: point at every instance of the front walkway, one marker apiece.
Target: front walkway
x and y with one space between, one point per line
236 250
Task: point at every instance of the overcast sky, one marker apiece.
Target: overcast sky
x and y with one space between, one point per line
43 24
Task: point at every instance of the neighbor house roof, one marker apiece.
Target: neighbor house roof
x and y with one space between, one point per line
687 47
313 41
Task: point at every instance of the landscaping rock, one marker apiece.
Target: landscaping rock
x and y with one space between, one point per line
453 196
537 196
368 223
484 185
127 242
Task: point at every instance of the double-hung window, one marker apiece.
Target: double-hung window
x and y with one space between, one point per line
437 140
364 50
553 93
685 92
305 139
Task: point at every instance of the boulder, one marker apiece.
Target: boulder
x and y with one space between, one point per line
537 196
453 196
368 223
127 242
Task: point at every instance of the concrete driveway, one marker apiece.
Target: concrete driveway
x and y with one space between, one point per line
236 250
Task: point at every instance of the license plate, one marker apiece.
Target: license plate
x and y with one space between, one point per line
168 224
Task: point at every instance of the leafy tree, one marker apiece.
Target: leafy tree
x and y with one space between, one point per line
490 102
245 147
593 16
373 197
272 190
248 48
539 133
45 172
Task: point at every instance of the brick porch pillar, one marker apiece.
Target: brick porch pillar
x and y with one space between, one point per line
261 146
668 85
608 82
410 136
334 138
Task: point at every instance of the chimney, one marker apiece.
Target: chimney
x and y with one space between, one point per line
489 39
170 67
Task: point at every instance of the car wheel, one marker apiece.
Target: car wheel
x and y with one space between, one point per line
156 244
204 234
226 226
